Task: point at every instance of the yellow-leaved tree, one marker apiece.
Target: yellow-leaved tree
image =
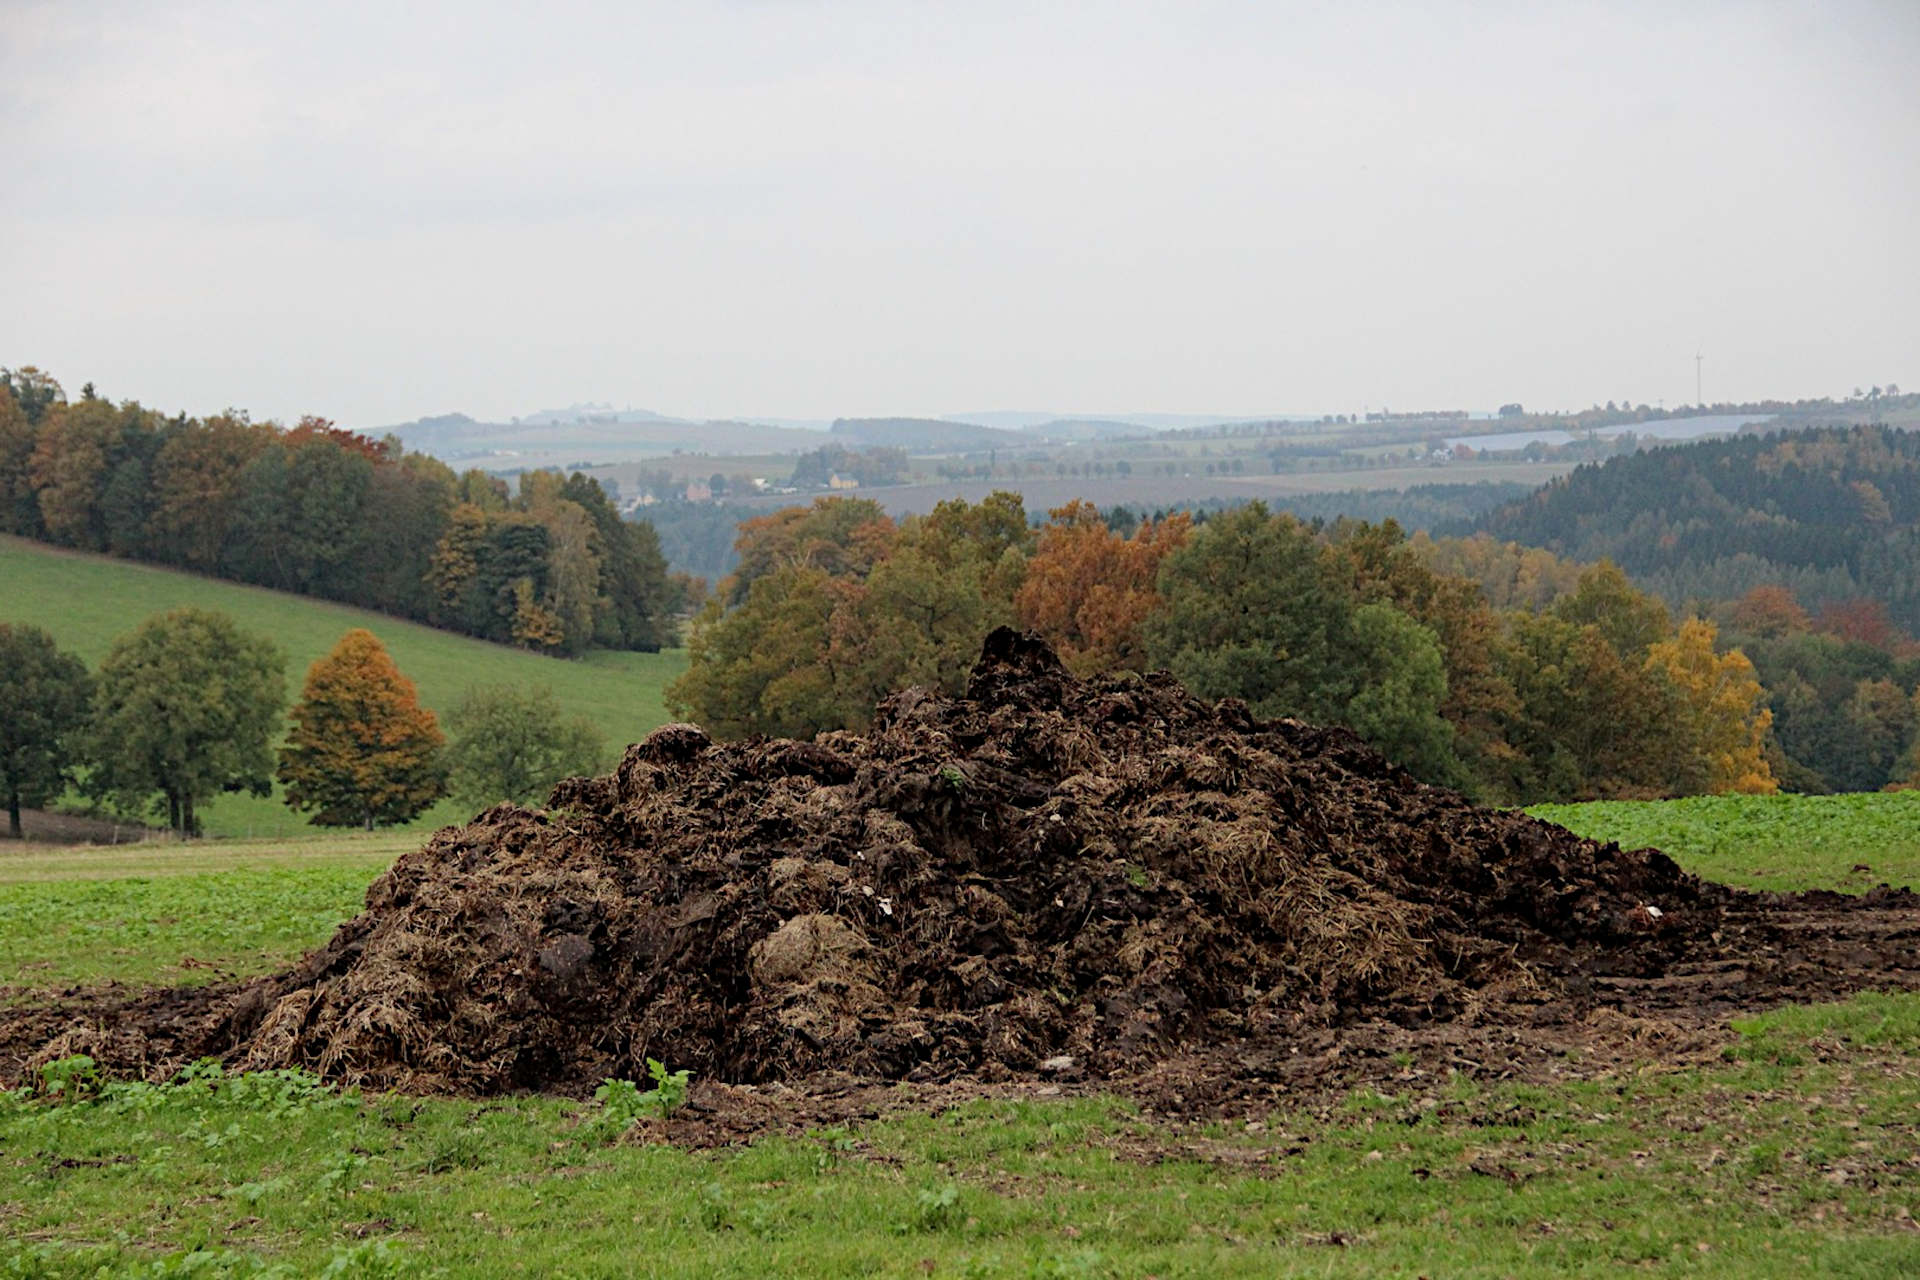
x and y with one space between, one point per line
363 751
1723 699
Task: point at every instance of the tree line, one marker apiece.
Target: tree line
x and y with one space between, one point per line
1833 514
189 706
1576 684
324 512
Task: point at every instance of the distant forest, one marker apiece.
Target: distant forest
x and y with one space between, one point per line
697 538
1832 515
325 512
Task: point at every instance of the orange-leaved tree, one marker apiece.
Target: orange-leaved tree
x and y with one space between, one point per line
363 751
1088 590
1768 611
1724 702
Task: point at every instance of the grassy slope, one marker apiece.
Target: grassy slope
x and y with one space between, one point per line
89 601
1792 1156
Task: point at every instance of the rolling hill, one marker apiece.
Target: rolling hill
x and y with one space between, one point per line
88 601
1832 513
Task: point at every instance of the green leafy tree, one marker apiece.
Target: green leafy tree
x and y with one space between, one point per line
1387 568
1590 724
187 706
1256 610
780 663
1631 620
948 579
513 744
1397 706
36 392
363 751
44 699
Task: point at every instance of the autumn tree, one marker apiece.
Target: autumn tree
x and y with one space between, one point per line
1510 576
1725 708
363 751
72 455
19 509
35 391
196 482
841 537
573 558
1587 724
186 706
512 744
834 607
1090 591
1859 621
1768 612
44 700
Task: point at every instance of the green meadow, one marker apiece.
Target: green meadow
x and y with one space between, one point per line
86 602
1784 843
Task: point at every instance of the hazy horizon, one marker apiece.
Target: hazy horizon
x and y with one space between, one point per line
816 210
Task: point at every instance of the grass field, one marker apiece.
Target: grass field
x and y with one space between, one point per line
166 912
1848 842
1794 1154
87 602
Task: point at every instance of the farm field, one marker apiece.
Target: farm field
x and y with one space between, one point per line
179 913
1783 1146
1155 491
1784 842
87 602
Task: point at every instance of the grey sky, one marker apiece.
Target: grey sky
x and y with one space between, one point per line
375 211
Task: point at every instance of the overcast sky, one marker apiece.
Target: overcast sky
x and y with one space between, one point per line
379 211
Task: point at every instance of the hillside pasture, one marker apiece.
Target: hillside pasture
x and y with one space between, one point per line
88 601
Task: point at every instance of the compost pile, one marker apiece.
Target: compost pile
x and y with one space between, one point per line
1046 875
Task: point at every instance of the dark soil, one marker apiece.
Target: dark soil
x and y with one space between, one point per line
1045 885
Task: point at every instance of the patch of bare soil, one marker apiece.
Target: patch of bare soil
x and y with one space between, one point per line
1044 885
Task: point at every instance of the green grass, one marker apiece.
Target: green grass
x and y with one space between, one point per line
87 602
1751 1167
167 912
1767 842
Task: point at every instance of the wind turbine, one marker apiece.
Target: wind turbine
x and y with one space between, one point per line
1697 397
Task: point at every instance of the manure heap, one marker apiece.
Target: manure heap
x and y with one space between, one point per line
1046 876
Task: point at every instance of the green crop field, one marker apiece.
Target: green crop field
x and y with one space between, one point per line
1848 842
86 602
1792 1153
